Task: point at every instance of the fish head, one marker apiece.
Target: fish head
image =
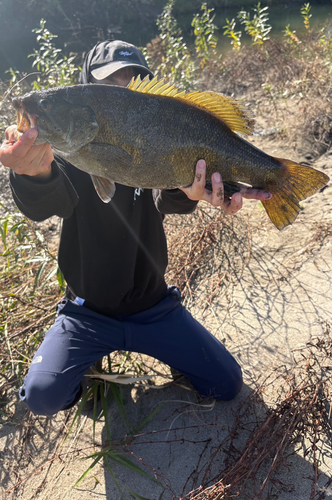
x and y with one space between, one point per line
65 123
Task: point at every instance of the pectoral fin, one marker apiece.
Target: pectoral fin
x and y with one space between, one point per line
104 187
111 160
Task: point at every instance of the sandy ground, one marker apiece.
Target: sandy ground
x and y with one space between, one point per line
280 298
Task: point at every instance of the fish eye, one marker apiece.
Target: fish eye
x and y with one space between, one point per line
45 105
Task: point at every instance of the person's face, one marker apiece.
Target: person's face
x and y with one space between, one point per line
121 77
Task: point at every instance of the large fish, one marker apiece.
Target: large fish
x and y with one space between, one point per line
150 135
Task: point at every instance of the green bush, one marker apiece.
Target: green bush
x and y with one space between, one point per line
55 68
205 39
257 27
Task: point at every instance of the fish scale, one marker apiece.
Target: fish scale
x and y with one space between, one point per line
150 135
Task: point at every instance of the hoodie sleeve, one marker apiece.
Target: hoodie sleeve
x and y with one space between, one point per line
40 199
173 201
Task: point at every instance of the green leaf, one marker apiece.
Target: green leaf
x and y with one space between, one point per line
105 413
109 468
124 461
117 393
4 232
61 280
136 494
39 275
88 470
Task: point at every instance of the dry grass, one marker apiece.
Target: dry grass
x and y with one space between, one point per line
298 418
207 250
29 291
290 85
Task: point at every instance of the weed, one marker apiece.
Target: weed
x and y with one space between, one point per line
168 54
257 27
110 454
55 68
205 39
177 64
235 36
290 36
29 280
299 417
305 11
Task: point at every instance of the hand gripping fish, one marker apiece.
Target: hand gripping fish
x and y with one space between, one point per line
150 135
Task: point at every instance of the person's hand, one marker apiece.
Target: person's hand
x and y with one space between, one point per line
197 191
23 157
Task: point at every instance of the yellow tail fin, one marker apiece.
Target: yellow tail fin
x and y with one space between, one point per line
297 184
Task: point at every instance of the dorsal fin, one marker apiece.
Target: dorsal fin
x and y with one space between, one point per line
230 111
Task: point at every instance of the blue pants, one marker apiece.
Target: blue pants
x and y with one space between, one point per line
167 331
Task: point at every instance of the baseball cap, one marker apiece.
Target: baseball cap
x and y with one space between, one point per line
112 56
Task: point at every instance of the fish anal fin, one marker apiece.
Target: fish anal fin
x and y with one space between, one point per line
105 188
232 112
298 183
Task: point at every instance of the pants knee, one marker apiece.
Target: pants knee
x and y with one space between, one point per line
45 394
229 381
224 386
227 390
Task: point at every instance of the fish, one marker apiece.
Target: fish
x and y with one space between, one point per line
150 135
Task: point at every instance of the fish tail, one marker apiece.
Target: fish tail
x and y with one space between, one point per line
297 183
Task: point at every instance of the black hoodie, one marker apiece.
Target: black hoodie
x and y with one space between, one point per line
112 255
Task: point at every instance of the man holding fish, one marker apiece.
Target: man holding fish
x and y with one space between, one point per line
113 256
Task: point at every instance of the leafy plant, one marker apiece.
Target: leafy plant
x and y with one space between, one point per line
110 454
325 44
235 36
55 68
15 80
205 39
29 283
177 64
257 27
305 11
290 36
169 56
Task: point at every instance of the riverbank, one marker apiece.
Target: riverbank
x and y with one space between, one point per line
265 294
77 33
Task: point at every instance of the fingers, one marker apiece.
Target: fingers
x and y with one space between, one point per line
22 156
217 198
255 194
36 162
41 163
13 149
234 204
198 186
197 190
11 134
23 146
199 182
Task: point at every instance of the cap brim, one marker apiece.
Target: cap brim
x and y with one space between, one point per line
108 69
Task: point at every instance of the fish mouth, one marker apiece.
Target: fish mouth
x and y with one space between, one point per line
25 120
